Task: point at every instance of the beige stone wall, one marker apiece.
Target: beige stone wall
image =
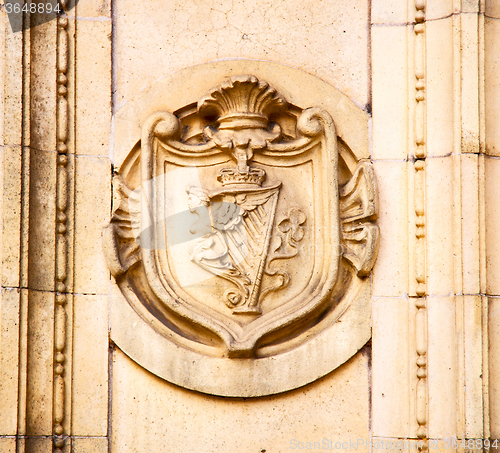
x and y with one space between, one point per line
426 75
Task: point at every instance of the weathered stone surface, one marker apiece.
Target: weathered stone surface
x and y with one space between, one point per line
202 423
328 40
85 363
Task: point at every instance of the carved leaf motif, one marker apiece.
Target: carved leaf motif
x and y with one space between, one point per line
360 246
358 199
121 246
293 224
358 206
286 247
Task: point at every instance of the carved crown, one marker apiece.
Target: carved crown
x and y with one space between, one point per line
230 177
242 102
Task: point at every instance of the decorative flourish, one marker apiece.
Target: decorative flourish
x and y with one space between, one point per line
59 390
286 247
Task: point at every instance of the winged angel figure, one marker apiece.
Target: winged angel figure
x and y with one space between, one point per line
234 229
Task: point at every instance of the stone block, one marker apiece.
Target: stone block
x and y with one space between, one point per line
492 215
193 422
390 92
93 87
40 358
391 365
9 360
390 273
90 367
441 235
203 32
491 85
494 365
442 371
93 205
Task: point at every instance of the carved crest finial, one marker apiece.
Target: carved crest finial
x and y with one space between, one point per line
242 102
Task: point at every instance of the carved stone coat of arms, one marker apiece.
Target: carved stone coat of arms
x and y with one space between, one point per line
234 232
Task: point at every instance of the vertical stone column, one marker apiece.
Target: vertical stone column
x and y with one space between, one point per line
418 287
455 307
39 234
92 198
28 243
61 324
437 128
491 159
393 346
12 188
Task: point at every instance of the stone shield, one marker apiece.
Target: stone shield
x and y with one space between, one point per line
241 240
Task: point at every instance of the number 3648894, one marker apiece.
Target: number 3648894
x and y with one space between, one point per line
33 7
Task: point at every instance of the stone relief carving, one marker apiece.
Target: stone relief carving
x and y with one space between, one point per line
234 232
